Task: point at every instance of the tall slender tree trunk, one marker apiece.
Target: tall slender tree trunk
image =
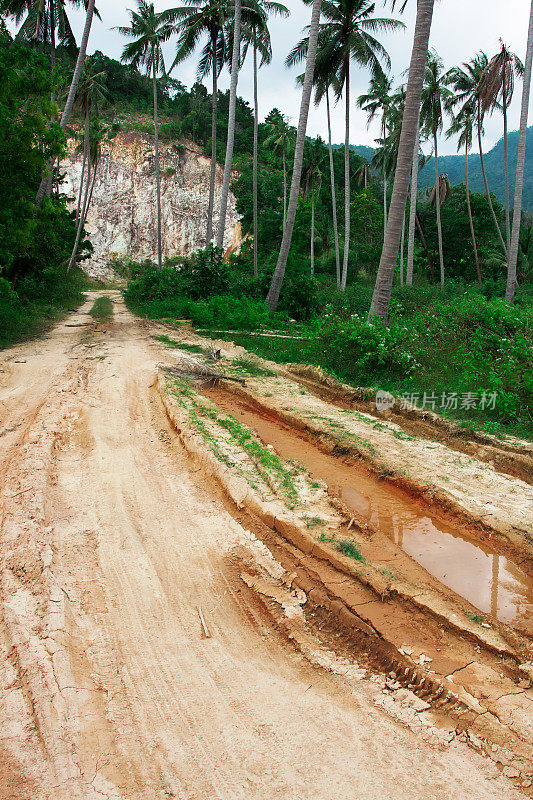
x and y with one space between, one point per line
402 250
255 166
231 122
384 205
313 231
81 221
279 272
470 218
86 141
212 176
485 181
519 184
347 188
333 197
157 174
437 207
506 165
284 186
382 292
412 208
48 189
67 111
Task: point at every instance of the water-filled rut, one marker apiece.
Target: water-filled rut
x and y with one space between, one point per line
489 581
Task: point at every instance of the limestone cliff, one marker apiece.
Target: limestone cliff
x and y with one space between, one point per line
122 217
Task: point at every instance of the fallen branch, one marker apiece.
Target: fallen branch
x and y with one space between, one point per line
199 372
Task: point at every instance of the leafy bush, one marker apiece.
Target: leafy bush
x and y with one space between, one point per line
205 273
227 312
359 350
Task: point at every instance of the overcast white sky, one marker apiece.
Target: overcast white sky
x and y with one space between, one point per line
460 29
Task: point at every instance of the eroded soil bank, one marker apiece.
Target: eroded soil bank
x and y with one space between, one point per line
111 539
491 582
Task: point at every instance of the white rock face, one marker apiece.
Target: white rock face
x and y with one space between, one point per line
122 219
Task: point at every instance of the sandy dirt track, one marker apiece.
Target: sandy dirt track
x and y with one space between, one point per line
110 541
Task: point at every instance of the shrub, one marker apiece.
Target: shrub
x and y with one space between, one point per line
227 312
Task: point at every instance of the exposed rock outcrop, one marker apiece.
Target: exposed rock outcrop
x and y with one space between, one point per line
122 217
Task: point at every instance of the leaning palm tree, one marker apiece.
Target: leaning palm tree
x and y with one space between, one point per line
519 182
385 276
462 126
496 89
307 89
281 136
69 105
257 36
436 100
346 37
149 29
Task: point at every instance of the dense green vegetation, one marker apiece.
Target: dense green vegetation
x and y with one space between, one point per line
34 245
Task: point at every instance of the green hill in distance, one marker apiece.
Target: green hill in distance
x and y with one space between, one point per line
454 167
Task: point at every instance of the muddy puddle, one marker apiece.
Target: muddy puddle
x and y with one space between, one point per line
489 581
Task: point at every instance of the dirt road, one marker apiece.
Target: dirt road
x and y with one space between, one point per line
111 540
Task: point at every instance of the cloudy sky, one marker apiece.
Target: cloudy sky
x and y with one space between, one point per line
460 29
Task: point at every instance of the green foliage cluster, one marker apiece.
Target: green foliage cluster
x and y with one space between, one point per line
34 245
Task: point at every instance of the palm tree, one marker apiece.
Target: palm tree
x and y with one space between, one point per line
281 137
149 30
496 89
235 64
377 100
436 99
347 36
67 111
257 36
44 21
519 182
279 272
463 123
91 92
198 19
313 182
385 276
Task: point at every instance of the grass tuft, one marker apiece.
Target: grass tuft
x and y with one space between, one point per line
102 310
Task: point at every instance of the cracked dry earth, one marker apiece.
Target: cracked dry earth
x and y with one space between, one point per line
110 541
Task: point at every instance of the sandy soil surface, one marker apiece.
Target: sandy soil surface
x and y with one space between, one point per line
110 542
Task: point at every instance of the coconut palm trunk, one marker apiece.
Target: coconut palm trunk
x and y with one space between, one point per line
279 272
86 140
231 122
470 218
255 167
384 205
284 187
519 183
333 196
67 111
81 221
402 250
313 231
506 165
212 176
437 207
412 209
382 292
157 172
485 181
347 193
